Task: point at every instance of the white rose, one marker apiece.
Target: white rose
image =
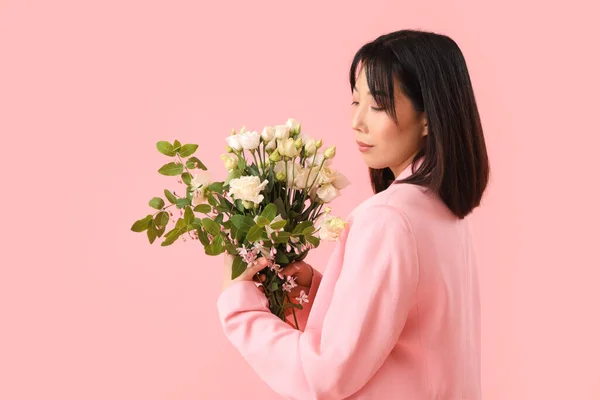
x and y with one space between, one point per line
282 131
331 228
327 193
247 188
234 142
329 175
303 180
198 184
268 134
200 179
287 147
250 140
310 147
230 160
272 145
292 170
293 125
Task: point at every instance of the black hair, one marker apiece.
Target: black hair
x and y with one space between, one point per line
432 73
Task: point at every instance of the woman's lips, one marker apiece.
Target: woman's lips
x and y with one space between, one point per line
362 147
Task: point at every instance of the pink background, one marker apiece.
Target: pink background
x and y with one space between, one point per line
89 310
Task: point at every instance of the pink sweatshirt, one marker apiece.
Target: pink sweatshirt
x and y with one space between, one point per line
396 314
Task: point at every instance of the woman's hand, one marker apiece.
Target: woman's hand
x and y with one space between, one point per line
303 273
247 275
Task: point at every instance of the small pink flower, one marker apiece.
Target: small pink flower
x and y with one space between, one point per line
303 297
275 268
291 280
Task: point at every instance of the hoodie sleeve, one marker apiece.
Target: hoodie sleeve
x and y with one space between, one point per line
369 305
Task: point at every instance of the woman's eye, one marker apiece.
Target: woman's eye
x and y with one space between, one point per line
376 109
353 103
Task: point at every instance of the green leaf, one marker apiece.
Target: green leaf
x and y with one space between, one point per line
142 224
225 203
171 169
238 234
308 230
234 174
279 224
186 177
270 212
181 203
203 236
211 226
151 232
254 233
188 149
238 267
302 226
176 145
212 201
253 170
180 224
172 236
161 219
189 215
216 187
239 205
157 203
282 237
230 248
242 222
165 148
216 247
170 196
241 164
203 208
262 221
280 208
281 258
195 160
313 240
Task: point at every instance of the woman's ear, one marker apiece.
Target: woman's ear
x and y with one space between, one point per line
425 130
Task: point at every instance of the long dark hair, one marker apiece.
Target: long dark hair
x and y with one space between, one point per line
433 74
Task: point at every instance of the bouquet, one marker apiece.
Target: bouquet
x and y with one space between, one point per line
271 207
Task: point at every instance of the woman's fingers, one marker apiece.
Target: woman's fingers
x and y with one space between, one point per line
290 269
253 269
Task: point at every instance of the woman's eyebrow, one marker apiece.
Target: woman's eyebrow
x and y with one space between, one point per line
369 93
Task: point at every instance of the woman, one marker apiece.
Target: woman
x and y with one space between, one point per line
396 314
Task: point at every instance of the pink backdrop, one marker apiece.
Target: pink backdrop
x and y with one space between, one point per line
89 310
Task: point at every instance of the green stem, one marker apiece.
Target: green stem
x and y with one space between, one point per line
293 311
257 165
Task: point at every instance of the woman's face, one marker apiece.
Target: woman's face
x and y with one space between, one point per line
393 145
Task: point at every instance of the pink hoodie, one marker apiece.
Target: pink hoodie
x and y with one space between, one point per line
395 316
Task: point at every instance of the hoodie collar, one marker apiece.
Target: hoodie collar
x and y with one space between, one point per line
408 170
